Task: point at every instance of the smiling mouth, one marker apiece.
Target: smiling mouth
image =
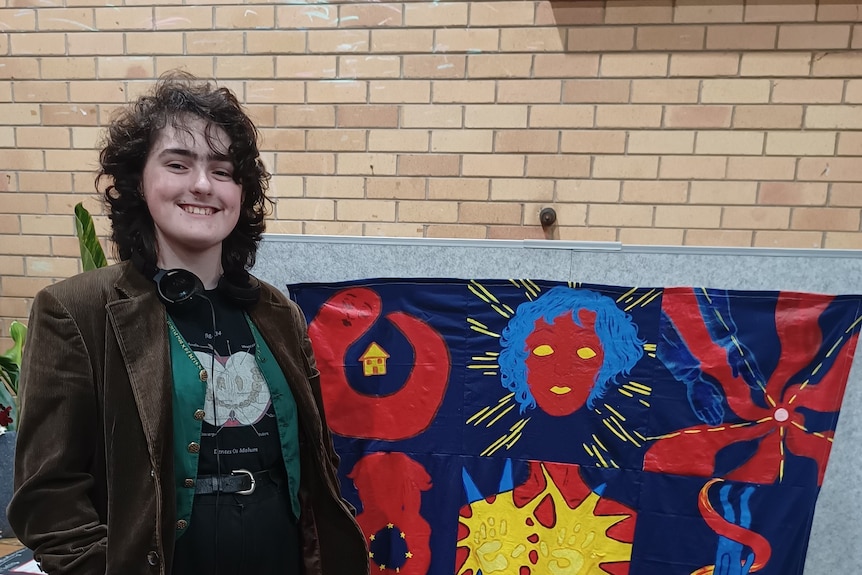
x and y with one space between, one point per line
198 211
560 390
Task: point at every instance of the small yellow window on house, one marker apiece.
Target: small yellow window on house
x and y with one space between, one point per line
374 360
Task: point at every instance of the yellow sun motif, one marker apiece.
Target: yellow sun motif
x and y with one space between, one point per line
503 538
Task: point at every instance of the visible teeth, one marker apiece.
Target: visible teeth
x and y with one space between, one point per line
198 211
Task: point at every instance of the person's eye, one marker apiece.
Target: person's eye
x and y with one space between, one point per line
223 174
176 166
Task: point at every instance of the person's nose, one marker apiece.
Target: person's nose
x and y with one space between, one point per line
201 183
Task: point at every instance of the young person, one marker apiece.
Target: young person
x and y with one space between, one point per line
171 417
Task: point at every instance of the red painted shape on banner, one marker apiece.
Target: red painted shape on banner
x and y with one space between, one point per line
341 321
390 486
757 543
777 427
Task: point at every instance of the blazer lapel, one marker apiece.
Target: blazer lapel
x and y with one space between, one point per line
140 324
269 317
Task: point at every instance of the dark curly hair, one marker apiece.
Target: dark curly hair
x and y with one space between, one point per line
176 99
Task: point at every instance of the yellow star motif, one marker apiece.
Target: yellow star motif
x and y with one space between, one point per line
390 525
383 567
408 555
371 555
402 535
371 538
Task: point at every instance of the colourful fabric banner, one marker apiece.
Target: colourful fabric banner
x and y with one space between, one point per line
528 427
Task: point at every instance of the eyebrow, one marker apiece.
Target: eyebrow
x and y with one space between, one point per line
212 156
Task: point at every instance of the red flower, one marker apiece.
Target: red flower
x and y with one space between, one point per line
5 415
779 427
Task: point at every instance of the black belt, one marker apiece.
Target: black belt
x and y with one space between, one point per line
239 482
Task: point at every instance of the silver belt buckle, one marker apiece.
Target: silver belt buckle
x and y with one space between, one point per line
250 490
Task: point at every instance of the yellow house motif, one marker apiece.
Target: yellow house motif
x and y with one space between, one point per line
374 360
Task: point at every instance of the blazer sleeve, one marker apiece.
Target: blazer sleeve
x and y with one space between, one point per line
51 511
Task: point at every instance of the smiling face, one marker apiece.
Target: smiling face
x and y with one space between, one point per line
190 192
563 361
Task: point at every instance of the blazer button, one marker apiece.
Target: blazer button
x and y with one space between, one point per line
203 375
199 414
188 483
182 524
153 558
194 447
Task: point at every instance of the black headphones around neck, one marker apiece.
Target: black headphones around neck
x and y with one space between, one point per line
178 286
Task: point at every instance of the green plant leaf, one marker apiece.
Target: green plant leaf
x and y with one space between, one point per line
18 333
92 255
10 360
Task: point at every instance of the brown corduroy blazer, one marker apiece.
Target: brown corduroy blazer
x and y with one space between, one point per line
94 483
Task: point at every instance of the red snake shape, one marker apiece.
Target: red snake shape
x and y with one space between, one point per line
758 544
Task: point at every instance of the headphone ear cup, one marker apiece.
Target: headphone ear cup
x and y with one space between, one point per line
243 293
178 286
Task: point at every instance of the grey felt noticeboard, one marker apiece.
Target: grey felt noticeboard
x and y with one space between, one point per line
837 529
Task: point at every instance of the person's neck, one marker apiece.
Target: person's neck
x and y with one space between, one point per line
207 266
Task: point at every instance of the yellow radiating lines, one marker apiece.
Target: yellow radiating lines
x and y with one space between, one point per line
625 432
799 425
665 436
816 369
641 437
852 325
502 312
483 294
644 403
481 327
532 286
598 442
488 411
834 347
760 384
601 459
595 450
622 391
614 431
706 295
721 319
650 347
782 433
515 439
528 291
696 431
514 436
615 412
489 357
502 413
647 302
638 388
640 299
795 395
627 294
